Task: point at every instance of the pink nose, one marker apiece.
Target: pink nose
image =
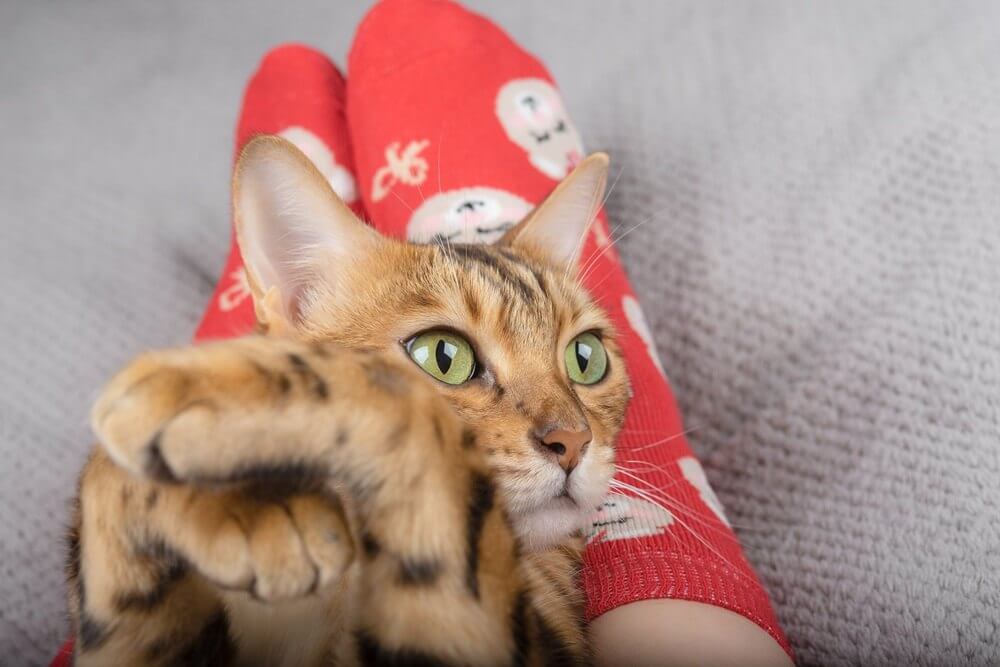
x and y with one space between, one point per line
568 446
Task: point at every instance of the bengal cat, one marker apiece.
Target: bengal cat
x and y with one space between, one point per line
394 471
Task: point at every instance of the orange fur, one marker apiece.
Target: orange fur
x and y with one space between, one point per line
311 497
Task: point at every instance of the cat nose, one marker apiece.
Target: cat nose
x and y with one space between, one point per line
568 446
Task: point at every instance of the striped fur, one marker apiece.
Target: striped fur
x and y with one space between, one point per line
309 497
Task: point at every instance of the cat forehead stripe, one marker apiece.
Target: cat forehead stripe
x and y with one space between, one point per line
504 269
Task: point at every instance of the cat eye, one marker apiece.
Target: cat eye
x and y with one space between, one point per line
444 355
586 359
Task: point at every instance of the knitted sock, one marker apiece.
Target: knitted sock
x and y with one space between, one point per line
299 94
458 132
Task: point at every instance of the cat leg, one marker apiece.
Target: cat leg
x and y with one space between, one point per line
441 576
148 561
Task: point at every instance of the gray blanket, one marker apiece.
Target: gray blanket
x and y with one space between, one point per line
821 269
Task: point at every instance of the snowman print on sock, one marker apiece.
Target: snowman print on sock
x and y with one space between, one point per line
320 155
622 517
532 114
695 475
466 215
633 313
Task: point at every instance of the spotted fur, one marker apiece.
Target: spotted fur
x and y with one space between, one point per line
308 496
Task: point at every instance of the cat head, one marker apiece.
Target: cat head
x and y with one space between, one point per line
533 116
504 331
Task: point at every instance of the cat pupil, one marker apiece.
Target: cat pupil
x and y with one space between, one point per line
444 354
583 352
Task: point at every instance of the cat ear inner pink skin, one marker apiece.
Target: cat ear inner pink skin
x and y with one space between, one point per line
558 227
288 222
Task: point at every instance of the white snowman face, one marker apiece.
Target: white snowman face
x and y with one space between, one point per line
633 313
313 148
622 517
533 116
468 215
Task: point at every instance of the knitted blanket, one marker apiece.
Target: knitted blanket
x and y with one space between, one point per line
809 208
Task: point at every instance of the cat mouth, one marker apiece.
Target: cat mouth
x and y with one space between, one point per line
565 496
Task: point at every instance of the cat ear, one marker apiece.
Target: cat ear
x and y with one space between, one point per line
289 224
558 226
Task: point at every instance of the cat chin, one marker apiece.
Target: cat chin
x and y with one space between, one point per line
549 525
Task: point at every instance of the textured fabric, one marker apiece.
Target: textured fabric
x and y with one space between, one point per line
819 270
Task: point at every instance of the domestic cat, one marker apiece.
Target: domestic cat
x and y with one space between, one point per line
395 470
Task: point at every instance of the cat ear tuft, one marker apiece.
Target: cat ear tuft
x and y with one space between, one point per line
558 227
289 223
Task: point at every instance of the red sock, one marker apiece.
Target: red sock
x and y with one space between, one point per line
299 94
458 132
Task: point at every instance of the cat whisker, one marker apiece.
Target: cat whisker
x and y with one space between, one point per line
401 200
677 503
669 438
645 496
440 141
613 242
591 212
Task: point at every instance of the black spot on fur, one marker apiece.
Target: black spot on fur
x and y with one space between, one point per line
273 481
370 545
312 379
160 648
73 554
373 654
540 279
468 438
482 256
156 466
419 572
152 496
126 495
213 647
276 379
519 628
90 633
160 552
172 572
480 503
554 650
342 436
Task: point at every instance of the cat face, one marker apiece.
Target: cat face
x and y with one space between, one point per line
468 215
510 318
533 116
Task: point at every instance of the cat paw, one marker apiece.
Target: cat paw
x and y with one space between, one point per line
133 410
277 551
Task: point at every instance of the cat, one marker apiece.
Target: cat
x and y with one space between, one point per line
396 469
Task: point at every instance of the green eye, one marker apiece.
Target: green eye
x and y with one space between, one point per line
586 359
443 355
